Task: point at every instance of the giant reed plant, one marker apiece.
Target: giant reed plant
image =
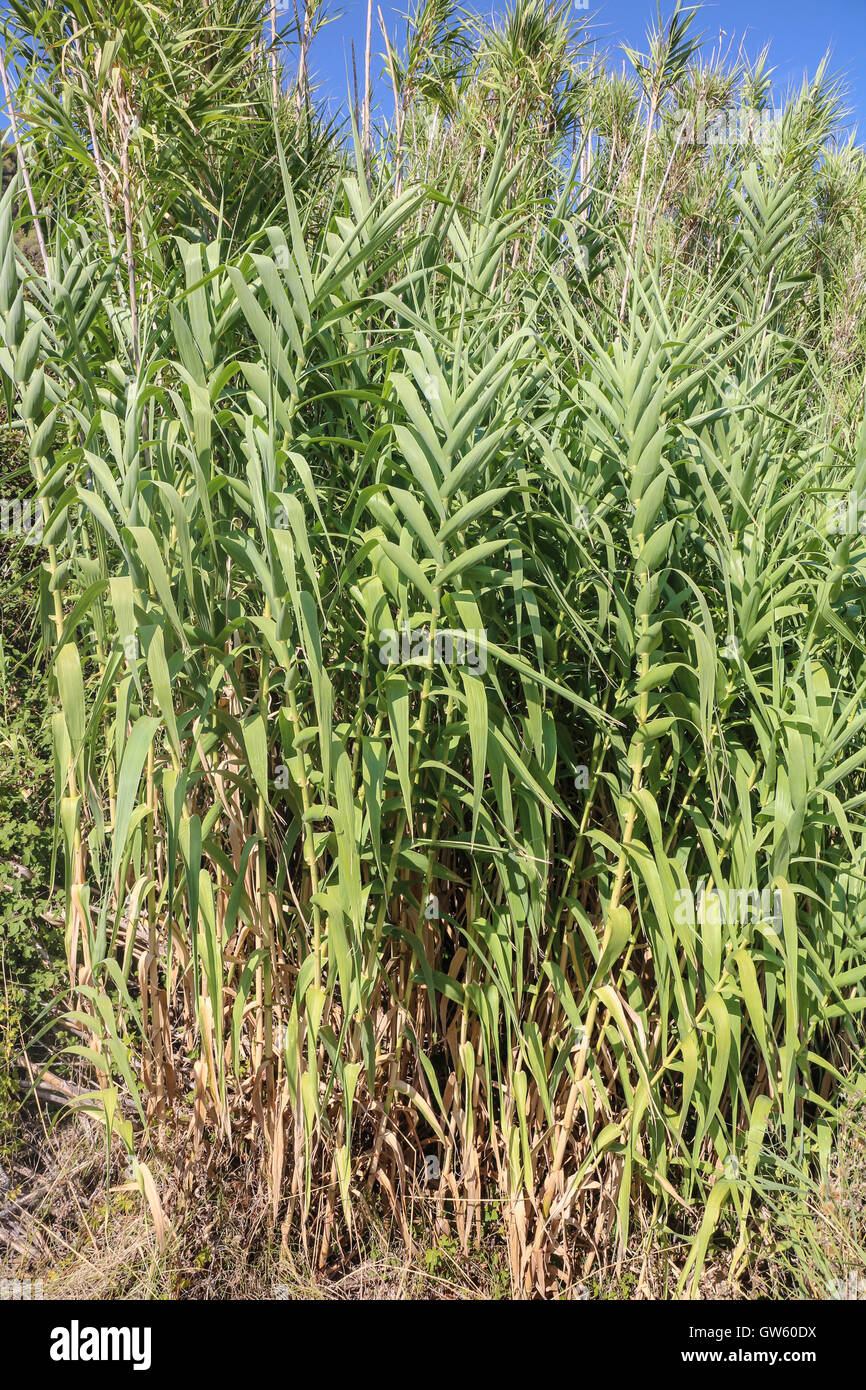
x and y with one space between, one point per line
459 727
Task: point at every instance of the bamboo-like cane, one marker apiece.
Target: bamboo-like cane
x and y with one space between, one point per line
398 109
22 164
130 247
365 122
275 86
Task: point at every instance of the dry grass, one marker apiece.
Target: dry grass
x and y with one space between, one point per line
60 1223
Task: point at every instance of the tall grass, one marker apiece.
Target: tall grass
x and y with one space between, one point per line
574 903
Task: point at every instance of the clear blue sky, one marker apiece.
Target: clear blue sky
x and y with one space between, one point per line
799 31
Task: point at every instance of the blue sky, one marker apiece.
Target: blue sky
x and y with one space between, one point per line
799 31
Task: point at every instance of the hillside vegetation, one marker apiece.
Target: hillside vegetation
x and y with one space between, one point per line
452 587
